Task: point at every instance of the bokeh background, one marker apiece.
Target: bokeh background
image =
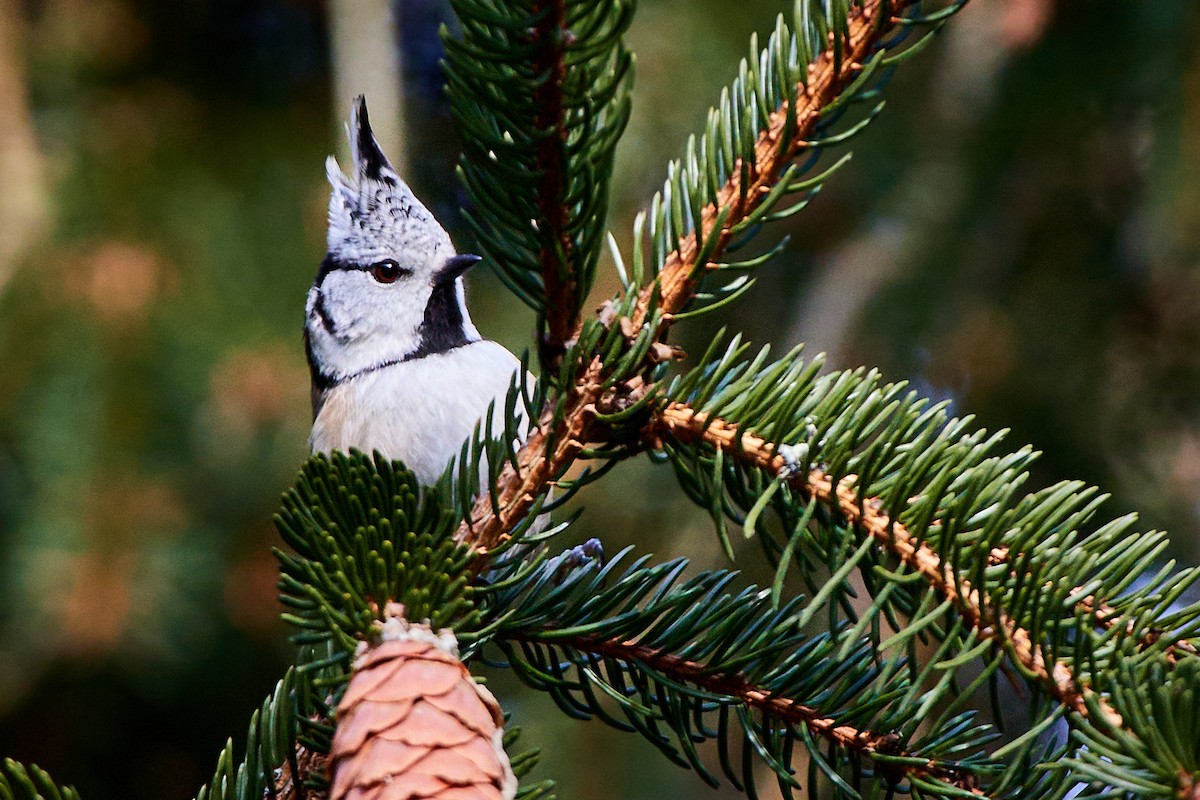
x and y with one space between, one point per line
1019 233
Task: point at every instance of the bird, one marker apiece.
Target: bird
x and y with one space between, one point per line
397 365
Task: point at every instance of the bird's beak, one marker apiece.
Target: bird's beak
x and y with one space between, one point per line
455 267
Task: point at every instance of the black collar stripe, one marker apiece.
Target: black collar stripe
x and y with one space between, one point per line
385 364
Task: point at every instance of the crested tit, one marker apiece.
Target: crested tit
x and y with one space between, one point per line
396 364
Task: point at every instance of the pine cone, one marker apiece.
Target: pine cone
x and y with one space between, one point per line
413 724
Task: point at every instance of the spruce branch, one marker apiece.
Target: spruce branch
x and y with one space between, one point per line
1096 713
691 660
736 685
607 392
688 425
945 512
540 91
364 534
752 180
900 763
851 39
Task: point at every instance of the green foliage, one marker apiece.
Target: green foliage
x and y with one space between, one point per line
523 763
947 485
365 534
953 492
766 96
270 744
905 660
1161 707
540 92
18 782
680 659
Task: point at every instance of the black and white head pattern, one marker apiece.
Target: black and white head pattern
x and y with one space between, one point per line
390 287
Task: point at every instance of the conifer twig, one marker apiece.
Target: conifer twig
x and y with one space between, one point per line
827 76
517 490
561 309
861 741
308 763
686 424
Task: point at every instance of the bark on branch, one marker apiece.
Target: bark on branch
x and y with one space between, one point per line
827 77
688 425
864 742
557 250
538 466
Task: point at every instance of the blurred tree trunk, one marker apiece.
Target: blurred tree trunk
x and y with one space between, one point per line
366 60
23 203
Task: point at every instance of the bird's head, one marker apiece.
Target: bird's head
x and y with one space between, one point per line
390 286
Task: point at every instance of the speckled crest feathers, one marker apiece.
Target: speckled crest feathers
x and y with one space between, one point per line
375 214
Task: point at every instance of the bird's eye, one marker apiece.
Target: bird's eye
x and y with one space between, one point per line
387 271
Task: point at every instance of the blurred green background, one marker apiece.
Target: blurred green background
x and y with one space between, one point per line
1019 232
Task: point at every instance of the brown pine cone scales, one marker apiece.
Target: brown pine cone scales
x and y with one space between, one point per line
413 724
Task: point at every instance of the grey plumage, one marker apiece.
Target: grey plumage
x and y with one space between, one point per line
397 365
375 215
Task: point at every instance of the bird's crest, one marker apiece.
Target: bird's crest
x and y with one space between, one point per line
374 214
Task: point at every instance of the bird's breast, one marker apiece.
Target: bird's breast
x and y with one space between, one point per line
420 411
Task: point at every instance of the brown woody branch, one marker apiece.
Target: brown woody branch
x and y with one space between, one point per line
540 462
688 425
562 306
865 742
827 77
1109 617
288 787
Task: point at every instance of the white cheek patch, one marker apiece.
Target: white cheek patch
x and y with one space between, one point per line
371 323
